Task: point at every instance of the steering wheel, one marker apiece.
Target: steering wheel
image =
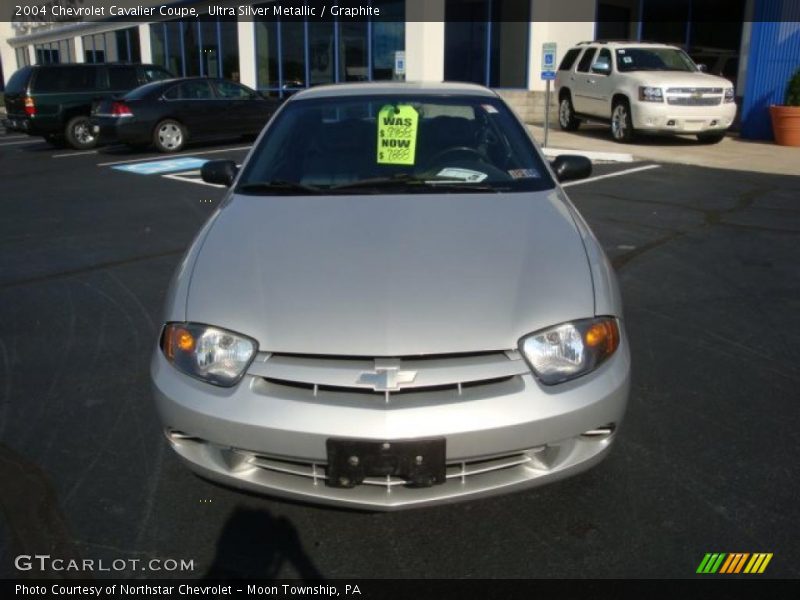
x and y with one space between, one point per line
454 150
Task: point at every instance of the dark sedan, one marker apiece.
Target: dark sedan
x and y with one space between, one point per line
167 114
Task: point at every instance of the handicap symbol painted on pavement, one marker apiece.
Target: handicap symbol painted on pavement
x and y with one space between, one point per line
163 166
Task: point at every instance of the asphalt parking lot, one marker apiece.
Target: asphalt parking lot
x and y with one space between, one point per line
705 461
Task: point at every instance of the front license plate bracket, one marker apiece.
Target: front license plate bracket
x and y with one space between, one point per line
421 463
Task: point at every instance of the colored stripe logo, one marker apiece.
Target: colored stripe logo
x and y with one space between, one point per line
734 563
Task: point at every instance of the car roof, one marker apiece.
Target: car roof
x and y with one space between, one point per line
389 87
624 44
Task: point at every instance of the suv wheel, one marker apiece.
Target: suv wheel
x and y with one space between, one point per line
621 122
566 114
169 136
79 133
710 138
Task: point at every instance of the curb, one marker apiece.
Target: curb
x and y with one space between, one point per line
591 154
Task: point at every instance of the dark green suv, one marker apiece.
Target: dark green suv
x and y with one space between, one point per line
54 101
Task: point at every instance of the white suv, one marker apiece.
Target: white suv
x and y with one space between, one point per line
651 88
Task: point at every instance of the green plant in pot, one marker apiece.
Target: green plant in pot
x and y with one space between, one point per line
786 116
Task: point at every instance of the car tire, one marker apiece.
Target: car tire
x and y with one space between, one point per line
621 122
78 133
169 136
710 138
57 141
566 114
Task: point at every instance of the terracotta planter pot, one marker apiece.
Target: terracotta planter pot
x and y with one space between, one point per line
786 124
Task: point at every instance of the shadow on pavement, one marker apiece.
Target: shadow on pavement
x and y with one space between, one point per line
34 519
254 544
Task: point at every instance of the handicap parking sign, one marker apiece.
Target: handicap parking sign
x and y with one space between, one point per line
172 165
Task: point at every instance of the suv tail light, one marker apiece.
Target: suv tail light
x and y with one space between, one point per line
30 107
120 109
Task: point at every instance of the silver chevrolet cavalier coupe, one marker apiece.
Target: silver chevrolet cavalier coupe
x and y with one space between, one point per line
395 305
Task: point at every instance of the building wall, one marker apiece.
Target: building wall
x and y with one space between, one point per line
774 56
7 53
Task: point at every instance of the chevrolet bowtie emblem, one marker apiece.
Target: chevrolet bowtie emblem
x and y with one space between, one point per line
387 376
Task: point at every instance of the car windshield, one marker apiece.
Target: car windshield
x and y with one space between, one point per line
18 81
653 59
143 90
394 144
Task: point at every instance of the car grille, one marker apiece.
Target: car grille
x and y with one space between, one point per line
688 96
693 101
691 90
536 458
446 377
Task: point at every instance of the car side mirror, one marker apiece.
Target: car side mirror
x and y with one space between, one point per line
219 172
601 68
702 67
571 166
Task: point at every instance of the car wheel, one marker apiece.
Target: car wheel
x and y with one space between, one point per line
79 134
621 122
57 141
169 136
566 114
710 138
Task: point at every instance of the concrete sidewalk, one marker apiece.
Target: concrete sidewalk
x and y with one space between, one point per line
730 153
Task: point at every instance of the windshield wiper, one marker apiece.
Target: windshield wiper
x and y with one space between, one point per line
392 180
400 179
277 185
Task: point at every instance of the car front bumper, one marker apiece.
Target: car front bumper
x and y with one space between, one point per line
501 437
664 117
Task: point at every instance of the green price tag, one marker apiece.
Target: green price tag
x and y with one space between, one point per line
397 135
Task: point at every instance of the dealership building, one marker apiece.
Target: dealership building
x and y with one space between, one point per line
498 43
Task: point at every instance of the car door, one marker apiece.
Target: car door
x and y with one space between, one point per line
599 87
194 104
580 82
245 111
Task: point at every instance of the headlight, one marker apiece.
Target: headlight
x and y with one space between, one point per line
214 355
728 94
650 94
571 349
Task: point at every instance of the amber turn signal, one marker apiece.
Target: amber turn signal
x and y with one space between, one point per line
175 339
603 335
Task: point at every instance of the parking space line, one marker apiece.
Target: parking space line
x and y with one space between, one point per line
164 157
81 153
607 175
21 142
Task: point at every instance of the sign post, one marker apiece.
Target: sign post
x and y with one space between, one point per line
548 75
399 65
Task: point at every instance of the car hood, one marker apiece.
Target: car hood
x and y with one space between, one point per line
391 275
680 79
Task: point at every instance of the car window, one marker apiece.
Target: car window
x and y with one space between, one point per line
155 74
233 91
65 79
143 90
604 57
122 78
190 90
569 59
428 139
653 59
586 60
18 81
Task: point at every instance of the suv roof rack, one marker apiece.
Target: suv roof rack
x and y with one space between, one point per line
610 41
